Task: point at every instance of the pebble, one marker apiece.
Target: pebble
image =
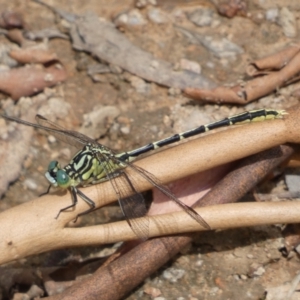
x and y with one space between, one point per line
144 3
30 184
158 16
25 104
173 274
213 291
243 277
125 130
292 181
190 65
174 91
297 249
272 14
202 16
152 291
260 271
141 3
55 106
51 139
199 263
236 277
95 123
220 47
131 18
287 21
139 84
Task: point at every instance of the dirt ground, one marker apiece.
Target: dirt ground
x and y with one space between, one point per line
233 264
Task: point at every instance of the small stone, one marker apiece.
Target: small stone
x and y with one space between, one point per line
190 65
125 130
213 291
21 296
236 277
97 122
132 18
156 15
152 291
260 271
202 16
51 139
272 14
297 249
174 91
292 181
199 263
30 184
55 107
139 84
35 292
287 21
220 47
141 3
173 274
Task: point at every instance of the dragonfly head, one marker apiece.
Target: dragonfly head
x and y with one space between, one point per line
57 176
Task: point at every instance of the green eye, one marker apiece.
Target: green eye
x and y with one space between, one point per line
63 180
52 166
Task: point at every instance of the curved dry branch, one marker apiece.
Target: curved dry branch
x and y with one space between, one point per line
37 231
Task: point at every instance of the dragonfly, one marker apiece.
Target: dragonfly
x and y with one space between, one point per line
95 163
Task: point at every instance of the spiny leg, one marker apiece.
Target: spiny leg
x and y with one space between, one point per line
74 192
88 201
47 192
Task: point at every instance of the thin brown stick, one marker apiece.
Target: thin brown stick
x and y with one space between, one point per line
272 62
251 90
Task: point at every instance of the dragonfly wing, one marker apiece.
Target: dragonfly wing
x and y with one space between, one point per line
165 190
131 201
70 137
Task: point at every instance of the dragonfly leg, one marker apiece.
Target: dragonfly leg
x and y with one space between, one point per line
88 201
74 191
47 192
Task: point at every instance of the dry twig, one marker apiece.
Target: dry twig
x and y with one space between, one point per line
258 87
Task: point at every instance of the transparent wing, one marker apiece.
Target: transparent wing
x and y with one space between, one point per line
131 201
70 137
165 190
133 206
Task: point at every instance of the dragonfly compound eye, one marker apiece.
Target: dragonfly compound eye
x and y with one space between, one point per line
53 166
62 178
